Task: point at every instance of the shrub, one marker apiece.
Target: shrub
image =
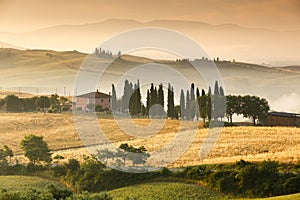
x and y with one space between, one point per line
292 185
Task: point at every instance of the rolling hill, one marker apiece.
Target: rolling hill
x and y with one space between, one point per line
48 71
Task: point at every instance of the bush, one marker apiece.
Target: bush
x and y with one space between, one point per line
58 193
292 185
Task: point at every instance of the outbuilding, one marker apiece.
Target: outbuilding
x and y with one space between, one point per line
283 119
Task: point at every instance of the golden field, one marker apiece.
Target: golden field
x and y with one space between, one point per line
235 143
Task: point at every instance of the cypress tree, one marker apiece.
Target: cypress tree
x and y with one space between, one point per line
160 98
114 102
187 105
182 104
138 100
192 101
170 110
208 104
203 105
148 102
216 91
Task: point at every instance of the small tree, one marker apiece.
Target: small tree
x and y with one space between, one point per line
13 103
36 149
4 153
43 102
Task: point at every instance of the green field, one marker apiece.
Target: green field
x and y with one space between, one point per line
285 197
21 183
165 191
155 190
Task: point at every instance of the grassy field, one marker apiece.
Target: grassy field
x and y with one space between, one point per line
178 191
235 143
157 190
165 191
19 183
284 197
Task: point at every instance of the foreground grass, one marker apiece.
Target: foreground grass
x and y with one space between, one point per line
165 191
284 197
21 183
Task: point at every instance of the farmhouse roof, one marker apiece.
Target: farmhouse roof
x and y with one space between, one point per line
96 95
284 114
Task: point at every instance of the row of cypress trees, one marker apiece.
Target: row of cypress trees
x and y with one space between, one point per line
192 104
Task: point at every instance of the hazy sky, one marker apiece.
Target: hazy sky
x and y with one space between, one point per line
27 15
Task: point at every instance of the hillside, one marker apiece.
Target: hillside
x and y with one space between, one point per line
47 71
21 183
164 191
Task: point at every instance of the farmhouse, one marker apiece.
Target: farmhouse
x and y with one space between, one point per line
283 119
95 98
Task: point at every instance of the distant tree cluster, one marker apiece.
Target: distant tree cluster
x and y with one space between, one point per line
248 106
54 103
101 53
125 153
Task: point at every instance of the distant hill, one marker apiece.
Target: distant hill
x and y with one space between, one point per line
295 68
227 41
5 45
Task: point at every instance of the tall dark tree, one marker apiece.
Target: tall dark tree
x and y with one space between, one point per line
209 104
138 100
126 96
222 91
114 103
171 107
188 105
216 91
209 90
160 99
155 100
202 101
197 93
148 102
135 100
192 102
182 104
219 103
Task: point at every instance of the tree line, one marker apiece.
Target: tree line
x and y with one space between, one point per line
101 53
54 103
210 105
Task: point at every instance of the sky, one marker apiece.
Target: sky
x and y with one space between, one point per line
28 15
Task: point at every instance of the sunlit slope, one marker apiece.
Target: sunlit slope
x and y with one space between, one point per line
235 143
